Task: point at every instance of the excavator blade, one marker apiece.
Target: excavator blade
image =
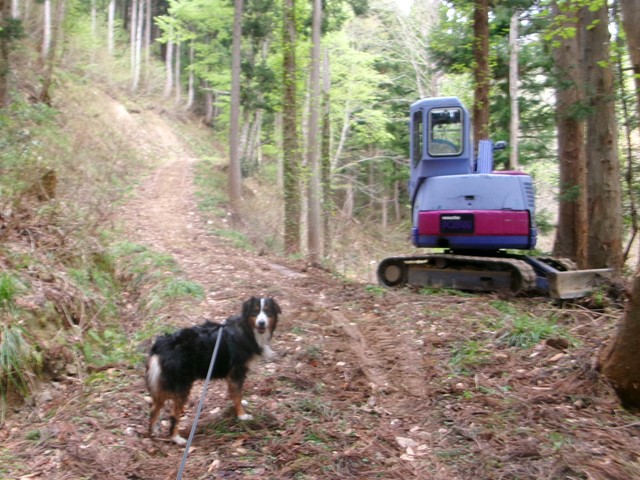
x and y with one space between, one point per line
576 283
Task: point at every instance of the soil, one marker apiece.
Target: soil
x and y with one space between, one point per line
366 383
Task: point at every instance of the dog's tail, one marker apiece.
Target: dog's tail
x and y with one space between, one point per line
153 373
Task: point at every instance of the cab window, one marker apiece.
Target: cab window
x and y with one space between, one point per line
445 132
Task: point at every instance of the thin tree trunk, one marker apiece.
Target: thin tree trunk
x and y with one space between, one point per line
191 87
137 46
481 71
147 40
314 233
46 28
111 26
5 64
235 172
291 168
631 23
132 37
177 71
343 134
168 68
514 123
56 31
325 153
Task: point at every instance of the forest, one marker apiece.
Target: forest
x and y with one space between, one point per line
287 123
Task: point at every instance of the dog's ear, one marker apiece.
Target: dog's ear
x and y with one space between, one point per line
248 306
276 307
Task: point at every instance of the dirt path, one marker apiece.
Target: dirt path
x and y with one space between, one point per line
365 384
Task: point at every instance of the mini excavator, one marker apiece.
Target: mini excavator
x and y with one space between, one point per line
477 222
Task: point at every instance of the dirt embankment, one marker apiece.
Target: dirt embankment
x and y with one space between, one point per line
366 384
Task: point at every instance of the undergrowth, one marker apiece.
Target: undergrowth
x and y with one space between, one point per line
64 273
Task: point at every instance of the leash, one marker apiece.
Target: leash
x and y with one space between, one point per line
204 391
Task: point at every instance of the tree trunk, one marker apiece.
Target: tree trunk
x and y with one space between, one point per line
177 69
168 67
514 123
603 168
481 71
132 38
191 87
291 167
620 359
5 66
148 24
137 45
46 30
314 234
571 234
630 22
111 15
235 173
325 153
56 29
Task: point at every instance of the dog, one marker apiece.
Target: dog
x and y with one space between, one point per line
177 360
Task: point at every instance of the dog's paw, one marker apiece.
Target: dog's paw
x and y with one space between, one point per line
178 440
268 354
245 417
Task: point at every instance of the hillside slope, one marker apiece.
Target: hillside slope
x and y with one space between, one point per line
367 383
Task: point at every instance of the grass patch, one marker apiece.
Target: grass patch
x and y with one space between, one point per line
467 355
524 330
20 362
238 239
211 187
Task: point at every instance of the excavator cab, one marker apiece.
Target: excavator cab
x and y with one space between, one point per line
458 201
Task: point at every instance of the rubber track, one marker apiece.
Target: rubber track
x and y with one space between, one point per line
526 271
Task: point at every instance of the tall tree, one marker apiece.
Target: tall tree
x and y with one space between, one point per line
314 228
603 168
325 152
630 21
49 59
5 42
620 359
514 123
481 71
291 167
571 234
235 174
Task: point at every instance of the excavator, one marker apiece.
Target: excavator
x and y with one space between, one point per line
478 223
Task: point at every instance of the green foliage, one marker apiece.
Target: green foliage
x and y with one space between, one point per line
211 187
110 345
20 361
11 29
523 330
10 286
467 355
156 273
376 290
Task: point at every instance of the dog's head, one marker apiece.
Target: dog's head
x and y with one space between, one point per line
262 315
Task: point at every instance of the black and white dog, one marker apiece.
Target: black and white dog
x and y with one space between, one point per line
177 360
